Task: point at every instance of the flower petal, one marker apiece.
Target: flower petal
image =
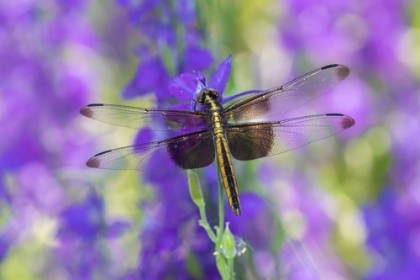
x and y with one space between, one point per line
221 76
145 135
150 76
197 59
202 82
117 228
183 87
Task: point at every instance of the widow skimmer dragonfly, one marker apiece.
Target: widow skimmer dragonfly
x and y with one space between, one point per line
221 132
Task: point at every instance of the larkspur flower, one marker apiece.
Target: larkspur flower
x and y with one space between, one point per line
43 86
86 220
373 40
4 247
162 45
187 86
305 227
46 77
164 233
82 228
394 226
255 224
163 239
171 230
354 35
46 98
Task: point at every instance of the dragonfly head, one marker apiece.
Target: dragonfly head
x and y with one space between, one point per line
207 94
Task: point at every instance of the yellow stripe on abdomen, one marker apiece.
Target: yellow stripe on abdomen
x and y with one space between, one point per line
226 170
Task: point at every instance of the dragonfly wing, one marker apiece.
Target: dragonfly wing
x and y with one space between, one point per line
155 119
257 140
289 96
188 151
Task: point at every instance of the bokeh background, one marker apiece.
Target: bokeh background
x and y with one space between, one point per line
347 207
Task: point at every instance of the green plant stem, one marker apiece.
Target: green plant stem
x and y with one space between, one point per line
221 211
204 223
225 270
221 208
198 199
230 268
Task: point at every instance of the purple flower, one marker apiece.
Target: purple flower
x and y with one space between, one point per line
171 235
381 93
187 86
151 76
394 227
163 48
171 232
4 247
170 223
302 226
196 58
255 225
361 37
4 193
86 221
46 78
404 130
82 228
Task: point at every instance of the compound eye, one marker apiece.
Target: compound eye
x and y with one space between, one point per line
214 94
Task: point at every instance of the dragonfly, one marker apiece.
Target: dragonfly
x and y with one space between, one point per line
239 130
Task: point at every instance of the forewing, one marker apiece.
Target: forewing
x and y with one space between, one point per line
257 140
189 151
289 96
155 119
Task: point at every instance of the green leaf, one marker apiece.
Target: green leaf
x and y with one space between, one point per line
193 266
222 266
195 189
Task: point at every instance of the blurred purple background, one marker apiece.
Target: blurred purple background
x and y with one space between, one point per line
347 207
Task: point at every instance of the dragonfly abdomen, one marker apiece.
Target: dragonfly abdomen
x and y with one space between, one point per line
227 173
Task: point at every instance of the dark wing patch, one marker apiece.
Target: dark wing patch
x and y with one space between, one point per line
289 96
250 141
194 151
257 140
155 119
189 151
